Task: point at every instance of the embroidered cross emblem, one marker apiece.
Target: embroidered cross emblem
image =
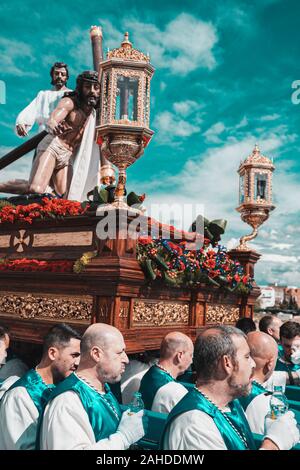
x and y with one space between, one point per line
21 240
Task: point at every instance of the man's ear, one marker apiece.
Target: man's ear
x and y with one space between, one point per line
226 363
96 353
268 366
52 353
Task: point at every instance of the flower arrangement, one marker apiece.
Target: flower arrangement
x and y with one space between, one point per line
49 208
178 267
35 265
80 263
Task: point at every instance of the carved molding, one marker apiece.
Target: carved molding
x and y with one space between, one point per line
160 313
127 54
124 311
221 313
26 305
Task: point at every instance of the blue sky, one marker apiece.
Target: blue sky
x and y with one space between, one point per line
223 81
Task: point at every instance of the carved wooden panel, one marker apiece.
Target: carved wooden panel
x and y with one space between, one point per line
155 313
24 305
221 313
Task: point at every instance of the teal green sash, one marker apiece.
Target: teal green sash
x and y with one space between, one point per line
99 408
257 389
194 400
38 391
282 365
152 381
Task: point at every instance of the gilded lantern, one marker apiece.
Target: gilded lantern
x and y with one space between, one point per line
123 131
255 192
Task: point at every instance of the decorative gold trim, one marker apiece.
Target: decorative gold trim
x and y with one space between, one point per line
43 305
221 313
160 313
126 52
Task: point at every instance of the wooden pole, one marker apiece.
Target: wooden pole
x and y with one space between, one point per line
97 48
18 152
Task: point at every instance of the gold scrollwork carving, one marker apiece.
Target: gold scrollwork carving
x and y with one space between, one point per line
160 313
220 313
46 306
128 54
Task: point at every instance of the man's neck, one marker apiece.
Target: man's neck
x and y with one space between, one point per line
89 375
169 367
45 371
217 392
259 377
59 88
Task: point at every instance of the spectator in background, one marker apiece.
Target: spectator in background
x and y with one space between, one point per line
246 325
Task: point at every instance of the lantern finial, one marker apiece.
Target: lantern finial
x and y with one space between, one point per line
126 43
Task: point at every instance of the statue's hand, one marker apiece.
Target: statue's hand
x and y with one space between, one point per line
58 128
21 130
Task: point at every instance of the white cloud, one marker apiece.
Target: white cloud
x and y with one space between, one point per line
16 57
276 258
212 134
242 123
270 117
170 126
185 108
184 45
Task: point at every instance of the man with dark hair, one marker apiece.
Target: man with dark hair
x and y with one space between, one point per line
82 413
39 110
23 403
159 387
209 417
271 324
290 342
246 325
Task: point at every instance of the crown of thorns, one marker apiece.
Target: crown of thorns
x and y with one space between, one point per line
88 76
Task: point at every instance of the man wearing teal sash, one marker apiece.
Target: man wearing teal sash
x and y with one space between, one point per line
82 412
10 365
264 352
22 405
290 360
159 388
210 417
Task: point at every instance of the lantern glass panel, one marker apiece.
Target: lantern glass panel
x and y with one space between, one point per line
260 186
242 190
127 98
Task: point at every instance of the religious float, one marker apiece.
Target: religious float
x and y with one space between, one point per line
141 276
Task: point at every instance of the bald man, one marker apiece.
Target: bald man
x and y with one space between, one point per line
264 352
83 414
159 388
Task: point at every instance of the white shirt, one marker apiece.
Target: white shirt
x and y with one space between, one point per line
193 430
131 379
18 420
39 110
7 384
66 426
168 396
256 412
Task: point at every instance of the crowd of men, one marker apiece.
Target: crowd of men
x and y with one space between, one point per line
66 401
